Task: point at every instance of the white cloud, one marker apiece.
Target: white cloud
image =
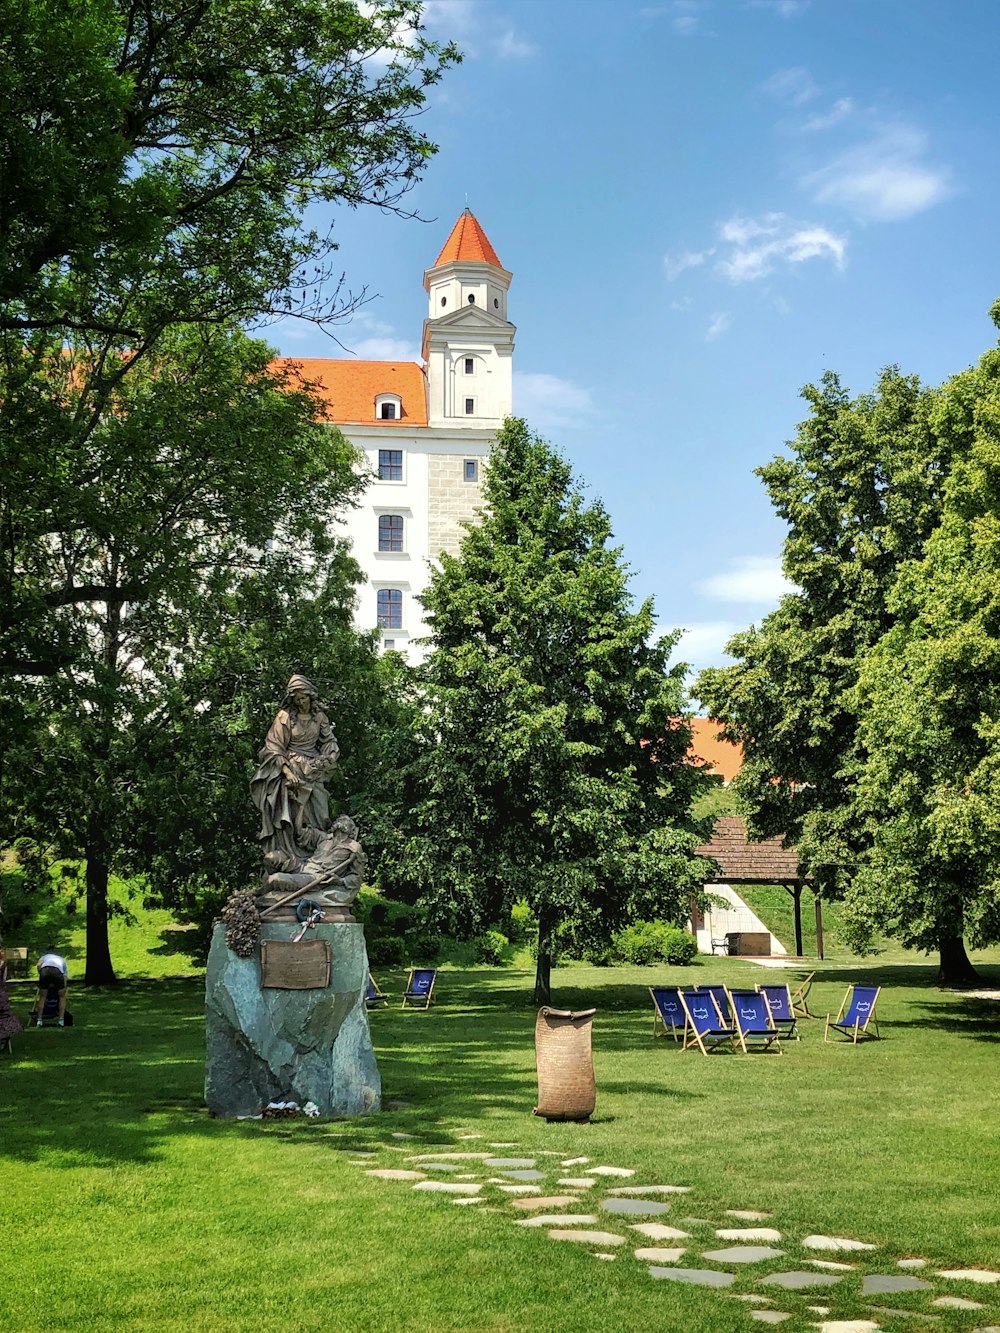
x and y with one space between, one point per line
683 304
477 29
675 265
840 111
785 9
546 401
685 24
750 578
792 86
383 349
702 644
885 179
758 245
718 325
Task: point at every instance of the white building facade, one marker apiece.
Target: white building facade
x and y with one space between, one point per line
426 431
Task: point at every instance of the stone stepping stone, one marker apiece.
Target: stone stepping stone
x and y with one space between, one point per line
658 1254
508 1163
818 1309
905 1314
442 1166
546 1201
635 1207
610 1171
398 1134
465 1200
657 1231
835 1243
769 1316
447 1187
911 1263
516 1189
701 1277
747 1214
574 1161
748 1233
589 1237
452 1157
742 1254
653 1189
553 1219
956 1303
525 1175
751 1297
598 1255
970 1274
880 1284
503 1145
831 1265
578 1182
387 1173
798 1280
468 1136
847 1326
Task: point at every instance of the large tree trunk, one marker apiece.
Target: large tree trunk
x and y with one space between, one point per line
100 971
543 967
955 969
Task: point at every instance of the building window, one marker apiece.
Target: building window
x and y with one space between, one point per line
496 303
390 465
390 532
390 608
444 300
388 643
470 407
388 407
472 298
470 366
388 412
472 469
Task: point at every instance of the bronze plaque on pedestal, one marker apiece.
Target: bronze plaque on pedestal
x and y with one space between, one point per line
288 966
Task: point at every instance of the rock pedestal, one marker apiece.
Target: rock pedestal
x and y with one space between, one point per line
267 1044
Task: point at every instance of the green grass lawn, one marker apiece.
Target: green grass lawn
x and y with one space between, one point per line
123 1203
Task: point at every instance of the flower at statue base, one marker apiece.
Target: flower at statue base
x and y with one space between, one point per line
310 1109
242 922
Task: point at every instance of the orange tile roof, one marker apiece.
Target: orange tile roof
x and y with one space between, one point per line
725 757
350 387
468 243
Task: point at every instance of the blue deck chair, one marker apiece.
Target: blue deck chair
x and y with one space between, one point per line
668 1020
779 1001
704 1026
375 997
800 998
753 1021
721 999
420 987
857 1011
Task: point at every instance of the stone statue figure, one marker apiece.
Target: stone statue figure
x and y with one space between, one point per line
332 871
299 754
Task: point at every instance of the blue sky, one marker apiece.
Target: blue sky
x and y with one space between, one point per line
705 204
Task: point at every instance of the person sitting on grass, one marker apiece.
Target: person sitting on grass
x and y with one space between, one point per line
53 978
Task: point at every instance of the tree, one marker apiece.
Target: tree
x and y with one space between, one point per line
159 160
928 699
550 764
207 488
861 494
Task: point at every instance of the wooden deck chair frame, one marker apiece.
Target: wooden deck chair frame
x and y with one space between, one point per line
800 998
853 1031
760 1039
717 1036
787 1027
419 999
675 1030
375 996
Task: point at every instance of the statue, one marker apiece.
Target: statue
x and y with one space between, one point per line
331 874
299 754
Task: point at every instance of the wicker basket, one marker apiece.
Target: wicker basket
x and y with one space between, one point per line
566 1089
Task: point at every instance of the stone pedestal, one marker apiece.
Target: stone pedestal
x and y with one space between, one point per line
266 1044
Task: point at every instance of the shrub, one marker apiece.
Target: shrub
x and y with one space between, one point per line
395 931
523 925
488 948
646 942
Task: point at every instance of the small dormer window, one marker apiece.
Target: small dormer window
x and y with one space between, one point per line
388 407
496 303
472 298
444 300
470 365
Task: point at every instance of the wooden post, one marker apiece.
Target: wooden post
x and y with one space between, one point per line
797 899
819 927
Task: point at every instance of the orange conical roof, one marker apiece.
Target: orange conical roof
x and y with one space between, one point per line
468 242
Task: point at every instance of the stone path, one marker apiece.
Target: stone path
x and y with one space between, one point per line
758 1261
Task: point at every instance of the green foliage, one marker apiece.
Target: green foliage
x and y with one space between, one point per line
490 947
549 767
646 942
395 932
866 704
523 924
